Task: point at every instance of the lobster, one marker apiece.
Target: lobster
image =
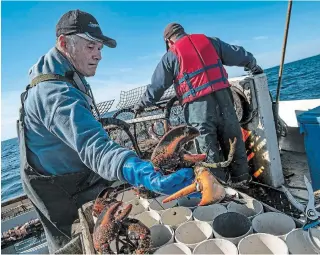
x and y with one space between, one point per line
169 155
113 223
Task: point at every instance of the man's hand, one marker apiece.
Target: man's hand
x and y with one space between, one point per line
255 70
138 172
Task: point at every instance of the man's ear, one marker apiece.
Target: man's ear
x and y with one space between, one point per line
62 42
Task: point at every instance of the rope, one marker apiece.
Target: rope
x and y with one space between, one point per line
276 113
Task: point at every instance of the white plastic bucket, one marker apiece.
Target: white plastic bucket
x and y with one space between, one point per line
190 202
231 226
173 217
216 246
148 218
161 235
208 213
138 206
193 232
278 224
126 196
252 208
157 205
298 243
261 243
174 248
315 236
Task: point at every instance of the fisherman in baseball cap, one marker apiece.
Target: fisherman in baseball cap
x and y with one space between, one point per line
172 29
84 25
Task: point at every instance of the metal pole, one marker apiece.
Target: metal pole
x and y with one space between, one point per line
284 46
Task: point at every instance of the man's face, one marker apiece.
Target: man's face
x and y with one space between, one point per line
85 56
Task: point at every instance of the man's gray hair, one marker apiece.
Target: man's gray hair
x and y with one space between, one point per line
71 40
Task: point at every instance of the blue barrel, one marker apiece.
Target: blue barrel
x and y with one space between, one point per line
310 127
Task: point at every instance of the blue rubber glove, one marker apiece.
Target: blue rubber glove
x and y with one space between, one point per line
138 172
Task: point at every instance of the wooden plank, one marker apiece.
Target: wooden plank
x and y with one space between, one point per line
82 244
87 238
87 211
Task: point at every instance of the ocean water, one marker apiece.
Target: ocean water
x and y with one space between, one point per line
301 80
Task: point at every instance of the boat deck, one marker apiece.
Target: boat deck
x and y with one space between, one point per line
295 166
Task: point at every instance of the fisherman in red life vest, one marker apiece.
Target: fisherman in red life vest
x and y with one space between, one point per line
194 64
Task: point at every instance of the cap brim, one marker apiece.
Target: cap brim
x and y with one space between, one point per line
109 42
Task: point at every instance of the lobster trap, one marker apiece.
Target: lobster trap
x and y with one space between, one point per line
102 108
142 132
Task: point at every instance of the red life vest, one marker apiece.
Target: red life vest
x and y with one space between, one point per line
201 70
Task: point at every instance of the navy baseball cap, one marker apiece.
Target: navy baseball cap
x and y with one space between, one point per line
82 24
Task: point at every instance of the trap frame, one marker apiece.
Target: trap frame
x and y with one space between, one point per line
150 125
141 132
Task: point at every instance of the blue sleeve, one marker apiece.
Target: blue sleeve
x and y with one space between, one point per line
161 80
233 55
67 115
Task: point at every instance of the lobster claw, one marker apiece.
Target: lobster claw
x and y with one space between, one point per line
170 149
114 215
107 226
103 199
211 190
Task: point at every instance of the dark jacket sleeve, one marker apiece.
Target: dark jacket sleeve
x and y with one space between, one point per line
161 80
233 55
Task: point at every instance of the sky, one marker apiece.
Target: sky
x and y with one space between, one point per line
28 32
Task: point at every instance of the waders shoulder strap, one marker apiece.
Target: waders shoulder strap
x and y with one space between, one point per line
49 77
71 78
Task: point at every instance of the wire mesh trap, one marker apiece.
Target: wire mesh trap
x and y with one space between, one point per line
103 108
128 99
148 127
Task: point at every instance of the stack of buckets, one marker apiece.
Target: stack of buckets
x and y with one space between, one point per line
182 227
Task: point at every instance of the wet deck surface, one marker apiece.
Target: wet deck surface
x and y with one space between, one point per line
295 163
